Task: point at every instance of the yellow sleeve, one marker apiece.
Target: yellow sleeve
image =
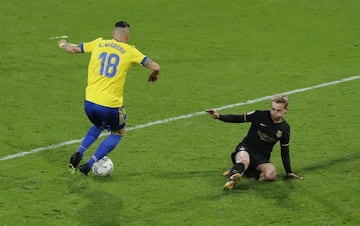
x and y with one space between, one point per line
137 56
87 47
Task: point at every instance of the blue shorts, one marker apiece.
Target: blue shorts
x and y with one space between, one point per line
106 117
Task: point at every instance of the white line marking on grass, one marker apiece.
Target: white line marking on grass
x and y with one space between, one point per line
54 146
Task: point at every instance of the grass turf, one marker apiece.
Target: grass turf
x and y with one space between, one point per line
211 54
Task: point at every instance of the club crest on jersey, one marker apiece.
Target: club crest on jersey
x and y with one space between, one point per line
279 133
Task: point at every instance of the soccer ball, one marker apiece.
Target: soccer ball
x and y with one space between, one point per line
103 167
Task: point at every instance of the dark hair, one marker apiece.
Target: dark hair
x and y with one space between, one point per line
122 24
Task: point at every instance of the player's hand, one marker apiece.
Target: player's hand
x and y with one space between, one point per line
154 76
293 176
61 43
213 113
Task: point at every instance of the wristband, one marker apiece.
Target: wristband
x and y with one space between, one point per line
63 45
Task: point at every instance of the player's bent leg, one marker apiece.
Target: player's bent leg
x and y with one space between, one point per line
104 148
74 162
235 175
91 136
267 172
233 180
240 157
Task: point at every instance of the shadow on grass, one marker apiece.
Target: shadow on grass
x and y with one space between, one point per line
102 207
355 155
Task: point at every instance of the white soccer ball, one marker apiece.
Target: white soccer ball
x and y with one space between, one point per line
103 167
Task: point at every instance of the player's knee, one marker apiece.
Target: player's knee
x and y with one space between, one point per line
268 175
271 175
120 132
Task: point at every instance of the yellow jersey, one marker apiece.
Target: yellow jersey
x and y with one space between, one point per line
110 60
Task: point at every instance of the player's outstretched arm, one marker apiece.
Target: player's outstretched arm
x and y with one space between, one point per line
213 113
155 67
69 47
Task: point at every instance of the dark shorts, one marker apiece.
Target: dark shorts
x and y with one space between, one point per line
255 161
106 117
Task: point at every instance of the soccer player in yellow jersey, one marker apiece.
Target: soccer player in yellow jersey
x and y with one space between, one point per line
110 60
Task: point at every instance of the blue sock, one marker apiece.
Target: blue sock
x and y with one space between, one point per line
104 148
89 139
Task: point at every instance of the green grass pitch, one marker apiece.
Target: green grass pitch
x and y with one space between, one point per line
212 54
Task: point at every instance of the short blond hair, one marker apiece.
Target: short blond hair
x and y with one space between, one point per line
281 99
